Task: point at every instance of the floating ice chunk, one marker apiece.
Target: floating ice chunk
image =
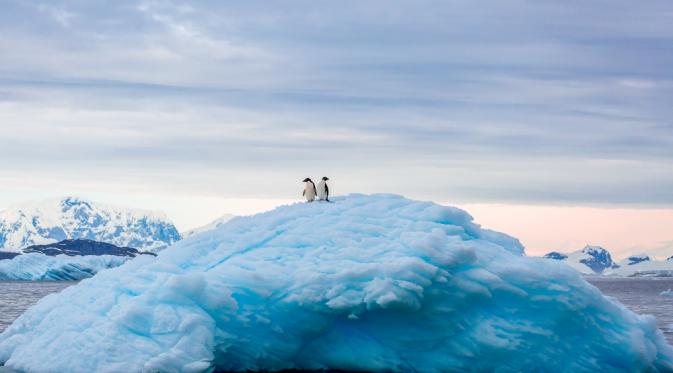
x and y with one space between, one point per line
667 293
368 283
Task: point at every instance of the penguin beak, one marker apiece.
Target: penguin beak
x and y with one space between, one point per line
305 180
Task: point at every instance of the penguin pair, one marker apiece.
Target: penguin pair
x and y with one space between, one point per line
311 192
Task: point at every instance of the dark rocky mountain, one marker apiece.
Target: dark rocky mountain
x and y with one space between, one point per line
82 248
7 255
635 259
556 256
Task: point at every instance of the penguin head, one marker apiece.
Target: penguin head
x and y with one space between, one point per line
325 178
307 180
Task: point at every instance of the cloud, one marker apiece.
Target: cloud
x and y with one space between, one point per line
511 102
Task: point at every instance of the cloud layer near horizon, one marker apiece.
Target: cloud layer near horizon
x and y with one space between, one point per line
526 102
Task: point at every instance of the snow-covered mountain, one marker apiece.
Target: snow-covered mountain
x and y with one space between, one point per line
589 261
642 266
73 218
594 260
210 226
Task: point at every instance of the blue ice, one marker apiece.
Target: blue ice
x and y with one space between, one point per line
373 283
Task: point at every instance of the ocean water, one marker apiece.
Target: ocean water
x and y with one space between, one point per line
640 295
18 296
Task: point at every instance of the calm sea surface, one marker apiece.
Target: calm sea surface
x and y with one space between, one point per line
640 295
17 296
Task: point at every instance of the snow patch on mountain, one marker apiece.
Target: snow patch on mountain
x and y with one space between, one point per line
367 283
73 218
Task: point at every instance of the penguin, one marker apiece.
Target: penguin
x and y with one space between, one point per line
323 189
309 190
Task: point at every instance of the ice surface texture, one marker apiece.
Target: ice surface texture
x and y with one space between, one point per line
40 267
376 283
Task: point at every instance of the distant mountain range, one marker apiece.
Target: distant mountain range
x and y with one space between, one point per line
595 260
73 218
83 248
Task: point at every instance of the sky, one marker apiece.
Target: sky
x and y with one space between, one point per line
534 114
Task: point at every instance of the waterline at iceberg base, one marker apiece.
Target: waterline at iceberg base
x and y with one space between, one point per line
368 283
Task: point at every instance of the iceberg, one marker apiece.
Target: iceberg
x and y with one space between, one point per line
40 267
367 283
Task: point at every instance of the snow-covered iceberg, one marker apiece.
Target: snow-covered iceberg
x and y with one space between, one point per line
40 267
368 283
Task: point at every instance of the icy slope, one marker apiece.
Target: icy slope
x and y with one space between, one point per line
72 218
375 283
210 226
40 267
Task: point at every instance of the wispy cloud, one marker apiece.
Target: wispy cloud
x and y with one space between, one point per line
514 101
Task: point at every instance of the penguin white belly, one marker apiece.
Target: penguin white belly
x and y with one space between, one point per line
309 193
322 191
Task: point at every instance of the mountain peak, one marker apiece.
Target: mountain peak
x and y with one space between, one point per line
594 250
599 259
72 201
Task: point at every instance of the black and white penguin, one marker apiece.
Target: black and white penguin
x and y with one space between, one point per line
309 190
323 189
